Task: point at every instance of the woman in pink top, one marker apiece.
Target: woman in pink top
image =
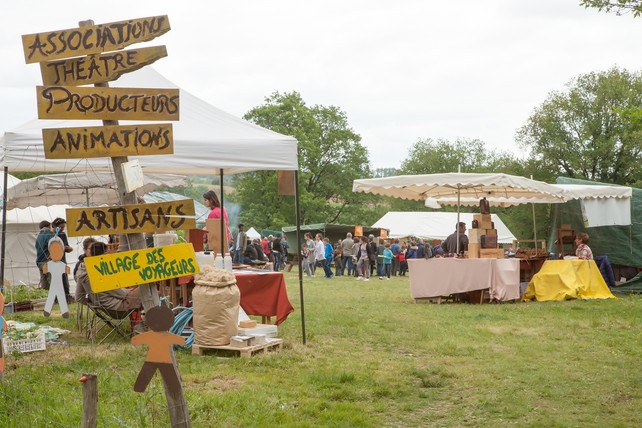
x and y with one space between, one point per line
212 202
582 250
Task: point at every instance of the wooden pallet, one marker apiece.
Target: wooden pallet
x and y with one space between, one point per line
247 352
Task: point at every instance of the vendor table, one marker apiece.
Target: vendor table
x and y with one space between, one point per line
432 278
264 293
567 279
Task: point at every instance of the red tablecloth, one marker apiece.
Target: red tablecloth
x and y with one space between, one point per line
264 294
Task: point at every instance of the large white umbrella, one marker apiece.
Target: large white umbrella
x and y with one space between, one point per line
458 185
82 188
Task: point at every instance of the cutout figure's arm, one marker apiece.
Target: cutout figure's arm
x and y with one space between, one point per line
44 268
67 271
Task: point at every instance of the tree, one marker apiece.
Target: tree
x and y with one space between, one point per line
591 131
619 6
330 157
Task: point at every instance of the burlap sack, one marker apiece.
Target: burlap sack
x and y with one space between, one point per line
215 302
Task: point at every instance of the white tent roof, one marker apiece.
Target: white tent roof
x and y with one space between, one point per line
253 234
206 139
82 188
434 225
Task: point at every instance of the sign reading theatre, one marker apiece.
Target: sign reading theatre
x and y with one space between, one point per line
129 268
126 219
87 70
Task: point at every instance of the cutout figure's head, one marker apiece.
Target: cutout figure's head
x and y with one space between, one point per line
56 249
1 305
159 318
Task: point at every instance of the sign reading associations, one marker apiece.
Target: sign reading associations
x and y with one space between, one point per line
73 102
92 39
130 268
106 141
126 219
87 70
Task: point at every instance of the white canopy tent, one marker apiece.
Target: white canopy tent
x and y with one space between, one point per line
81 188
434 225
253 234
206 140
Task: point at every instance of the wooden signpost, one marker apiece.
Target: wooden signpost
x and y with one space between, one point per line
125 219
92 39
87 70
61 98
74 102
130 268
100 141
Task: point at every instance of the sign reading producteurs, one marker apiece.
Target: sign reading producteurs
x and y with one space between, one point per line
130 268
125 219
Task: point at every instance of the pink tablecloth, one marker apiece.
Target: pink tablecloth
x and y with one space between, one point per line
444 276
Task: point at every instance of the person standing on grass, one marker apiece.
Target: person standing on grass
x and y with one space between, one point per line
42 252
276 251
240 244
329 251
305 254
346 250
319 253
372 252
338 259
396 249
387 261
364 260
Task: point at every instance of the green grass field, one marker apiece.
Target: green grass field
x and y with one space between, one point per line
373 358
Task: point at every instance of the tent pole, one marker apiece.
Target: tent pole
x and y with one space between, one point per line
534 227
4 224
457 225
223 246
298 240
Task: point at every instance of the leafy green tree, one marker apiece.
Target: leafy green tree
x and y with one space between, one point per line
331 156
618 6
591 131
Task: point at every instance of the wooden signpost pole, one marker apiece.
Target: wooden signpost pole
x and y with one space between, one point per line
135 241
178 411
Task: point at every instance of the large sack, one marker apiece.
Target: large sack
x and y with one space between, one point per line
216 301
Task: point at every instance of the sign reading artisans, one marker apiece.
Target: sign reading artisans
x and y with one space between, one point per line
126 219
131 268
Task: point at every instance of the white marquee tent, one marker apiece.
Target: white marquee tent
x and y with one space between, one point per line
206 139
434 225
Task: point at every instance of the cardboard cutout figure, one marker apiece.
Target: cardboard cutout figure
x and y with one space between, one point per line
3 328
57 268
159 319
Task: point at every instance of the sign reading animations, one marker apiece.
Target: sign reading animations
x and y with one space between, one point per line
130 268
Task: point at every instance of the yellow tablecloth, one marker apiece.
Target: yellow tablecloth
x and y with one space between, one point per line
567 279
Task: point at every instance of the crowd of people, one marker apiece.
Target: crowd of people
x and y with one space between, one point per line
362 257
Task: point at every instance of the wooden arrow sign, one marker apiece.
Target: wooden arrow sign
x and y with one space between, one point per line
108 141
92 39
93 69
72 102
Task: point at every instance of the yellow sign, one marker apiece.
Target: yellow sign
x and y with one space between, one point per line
75 102
131 268
358 231
126 219
87 70
92 39
108 141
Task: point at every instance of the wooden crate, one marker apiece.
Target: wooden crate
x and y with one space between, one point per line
489 253
247 352
473 250
474 235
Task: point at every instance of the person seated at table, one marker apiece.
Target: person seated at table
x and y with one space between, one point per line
250 256
450 244
116 302
582 250
260 255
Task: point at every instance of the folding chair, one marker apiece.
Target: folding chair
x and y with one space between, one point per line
111 321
